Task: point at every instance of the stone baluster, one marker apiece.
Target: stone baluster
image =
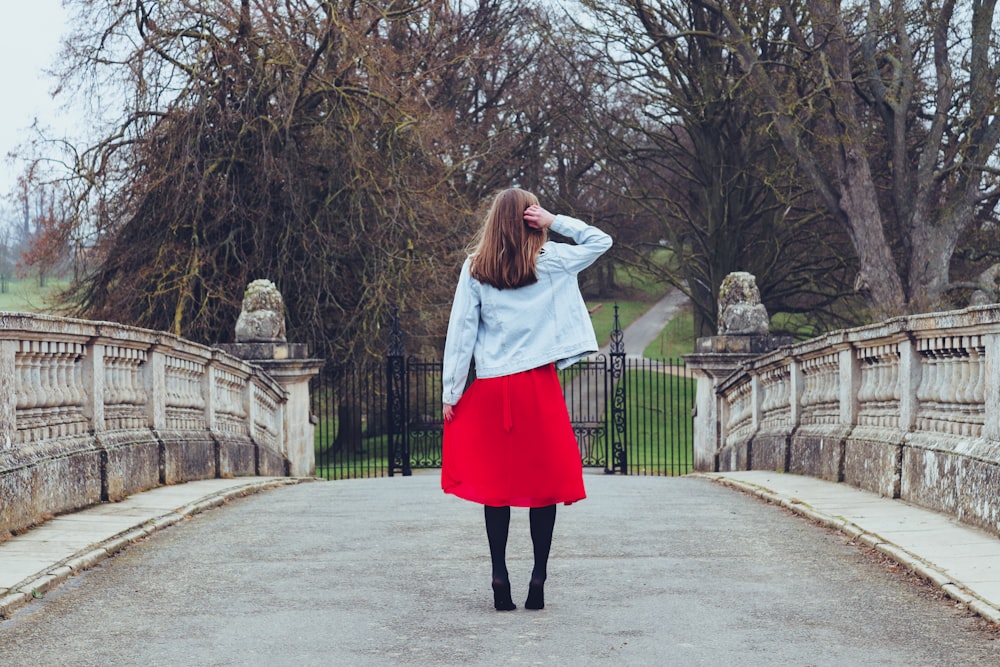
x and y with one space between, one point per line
775 408
64 396
140 395
24 387
970 371
769 391
961 414
80 388
972 397
55 391
926 387
810 390
946 383
113 390
75 391
34 380
267 428
866 390
820 399
978 361
741 411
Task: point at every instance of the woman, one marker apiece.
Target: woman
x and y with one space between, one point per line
519 313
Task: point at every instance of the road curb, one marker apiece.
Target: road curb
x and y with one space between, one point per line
36 586
953 589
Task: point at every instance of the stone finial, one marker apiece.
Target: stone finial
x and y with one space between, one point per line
989 287
262 319
740 309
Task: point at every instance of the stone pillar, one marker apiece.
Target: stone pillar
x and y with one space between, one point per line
293 375
260 339
708 370
743 335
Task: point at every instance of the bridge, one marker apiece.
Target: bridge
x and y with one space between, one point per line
93 412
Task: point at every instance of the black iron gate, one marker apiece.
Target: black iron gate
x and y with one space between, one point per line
631 415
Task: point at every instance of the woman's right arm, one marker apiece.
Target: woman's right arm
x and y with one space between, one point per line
463 326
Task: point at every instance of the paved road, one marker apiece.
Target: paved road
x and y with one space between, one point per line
646 571
645 328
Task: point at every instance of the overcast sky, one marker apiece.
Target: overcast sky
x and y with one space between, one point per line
30 34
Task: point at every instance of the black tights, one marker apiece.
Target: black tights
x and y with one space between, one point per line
497 527
543 521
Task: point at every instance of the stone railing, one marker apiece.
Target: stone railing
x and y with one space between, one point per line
95 411
909 409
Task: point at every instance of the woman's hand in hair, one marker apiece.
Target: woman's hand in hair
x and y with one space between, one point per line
537 217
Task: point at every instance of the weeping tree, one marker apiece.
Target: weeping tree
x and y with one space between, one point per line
327 146
340 149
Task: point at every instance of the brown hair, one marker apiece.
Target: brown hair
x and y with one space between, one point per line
507 249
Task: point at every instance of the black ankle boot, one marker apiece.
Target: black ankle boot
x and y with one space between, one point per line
536 595
502 600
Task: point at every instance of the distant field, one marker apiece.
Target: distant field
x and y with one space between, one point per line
24 295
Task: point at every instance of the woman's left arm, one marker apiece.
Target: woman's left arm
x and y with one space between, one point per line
591 242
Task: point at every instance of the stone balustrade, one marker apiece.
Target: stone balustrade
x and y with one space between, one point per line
909 408
95 411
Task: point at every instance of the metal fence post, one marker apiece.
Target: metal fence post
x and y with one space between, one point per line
618 459
396 402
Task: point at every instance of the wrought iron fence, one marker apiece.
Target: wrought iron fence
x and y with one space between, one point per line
631 415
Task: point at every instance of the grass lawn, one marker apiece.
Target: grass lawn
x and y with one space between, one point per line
602 314
24 295
676 339
369 458
658 425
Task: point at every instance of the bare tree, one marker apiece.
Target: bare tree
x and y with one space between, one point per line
898 89
689 149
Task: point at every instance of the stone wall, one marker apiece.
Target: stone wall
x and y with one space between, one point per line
95 411
909 409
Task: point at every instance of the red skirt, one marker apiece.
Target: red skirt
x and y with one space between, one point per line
511 443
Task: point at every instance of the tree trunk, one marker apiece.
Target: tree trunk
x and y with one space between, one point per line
878 278
349 430
933 245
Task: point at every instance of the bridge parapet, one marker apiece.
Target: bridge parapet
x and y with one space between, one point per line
908 408
95 411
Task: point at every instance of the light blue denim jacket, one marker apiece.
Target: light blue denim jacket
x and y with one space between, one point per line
514 330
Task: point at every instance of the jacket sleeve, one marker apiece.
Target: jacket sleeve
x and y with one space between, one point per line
591 243
463 326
